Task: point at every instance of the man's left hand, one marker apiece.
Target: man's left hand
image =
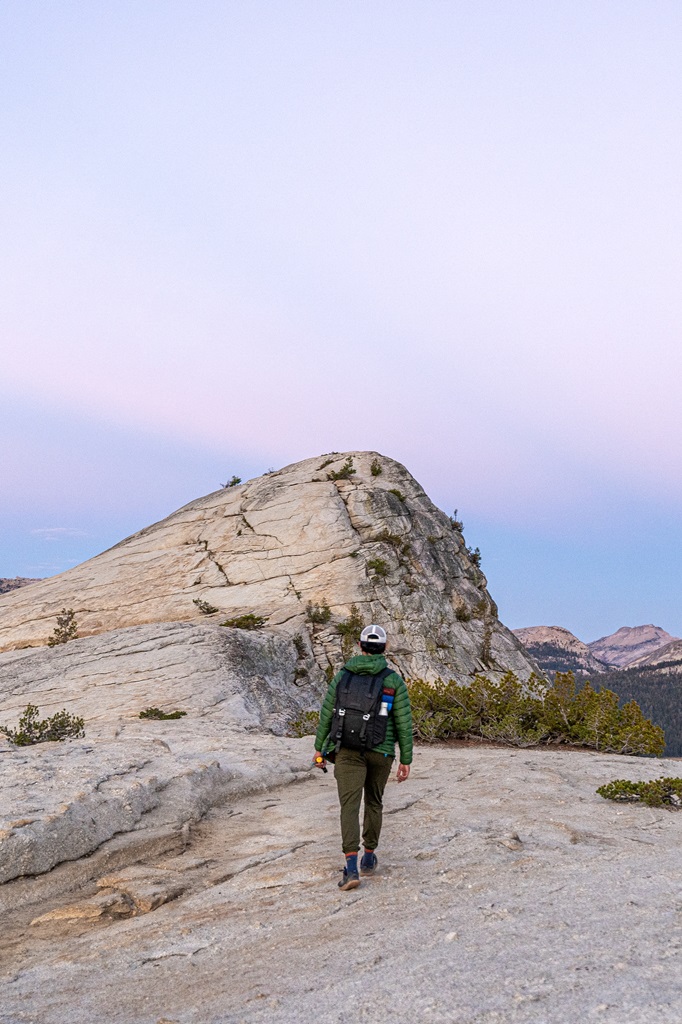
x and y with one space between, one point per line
403 772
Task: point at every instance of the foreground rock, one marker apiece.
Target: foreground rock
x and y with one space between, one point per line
62 801
275 545
508 893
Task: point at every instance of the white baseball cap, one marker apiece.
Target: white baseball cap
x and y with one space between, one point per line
374 634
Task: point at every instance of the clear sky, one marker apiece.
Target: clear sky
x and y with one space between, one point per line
240 233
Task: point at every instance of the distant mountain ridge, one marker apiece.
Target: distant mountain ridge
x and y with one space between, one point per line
13 584
669 654
630 644
557 650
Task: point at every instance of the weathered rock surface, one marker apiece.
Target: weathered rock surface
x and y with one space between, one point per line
557 650
276 543
630 643
230 678
507 893
61 801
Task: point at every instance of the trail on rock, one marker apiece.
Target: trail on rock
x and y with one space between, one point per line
507 891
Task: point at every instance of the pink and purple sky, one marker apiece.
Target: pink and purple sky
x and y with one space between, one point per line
237 234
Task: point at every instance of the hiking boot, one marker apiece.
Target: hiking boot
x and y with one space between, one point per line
368 864
350 880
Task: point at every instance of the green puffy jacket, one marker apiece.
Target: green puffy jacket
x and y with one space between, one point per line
399 725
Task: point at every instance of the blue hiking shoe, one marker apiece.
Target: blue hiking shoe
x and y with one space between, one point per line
351 878
368 864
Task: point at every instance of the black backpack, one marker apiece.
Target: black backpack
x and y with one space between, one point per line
357 723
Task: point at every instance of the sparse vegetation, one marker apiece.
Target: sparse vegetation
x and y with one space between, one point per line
529 714
663 792
399 494
327 462
304 724
378 566
486 654
204 607
456 522
462 613
299 644
350 631
232 482
318 614
157 715
376 469
32 730
475 556
397 542
248 621
66 628
346 471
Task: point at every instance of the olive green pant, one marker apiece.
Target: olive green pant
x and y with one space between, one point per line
356 772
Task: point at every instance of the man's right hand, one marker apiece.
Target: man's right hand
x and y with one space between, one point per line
319 761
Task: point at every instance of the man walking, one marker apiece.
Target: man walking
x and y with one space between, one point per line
365 712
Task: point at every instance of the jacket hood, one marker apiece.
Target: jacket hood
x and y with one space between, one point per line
366 664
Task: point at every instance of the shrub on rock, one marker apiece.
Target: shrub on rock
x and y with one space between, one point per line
657 793
66 628
527 714
157 715
32 729
249 621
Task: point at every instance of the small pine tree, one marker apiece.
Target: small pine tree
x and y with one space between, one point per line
66 628
350 631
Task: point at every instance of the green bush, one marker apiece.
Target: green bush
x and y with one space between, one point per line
66 628
304 725
204 607
318 614
663 792
350 631
378 566
232 482
527 714
31 729
346 471
376 468
399 494
248 621
157 715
